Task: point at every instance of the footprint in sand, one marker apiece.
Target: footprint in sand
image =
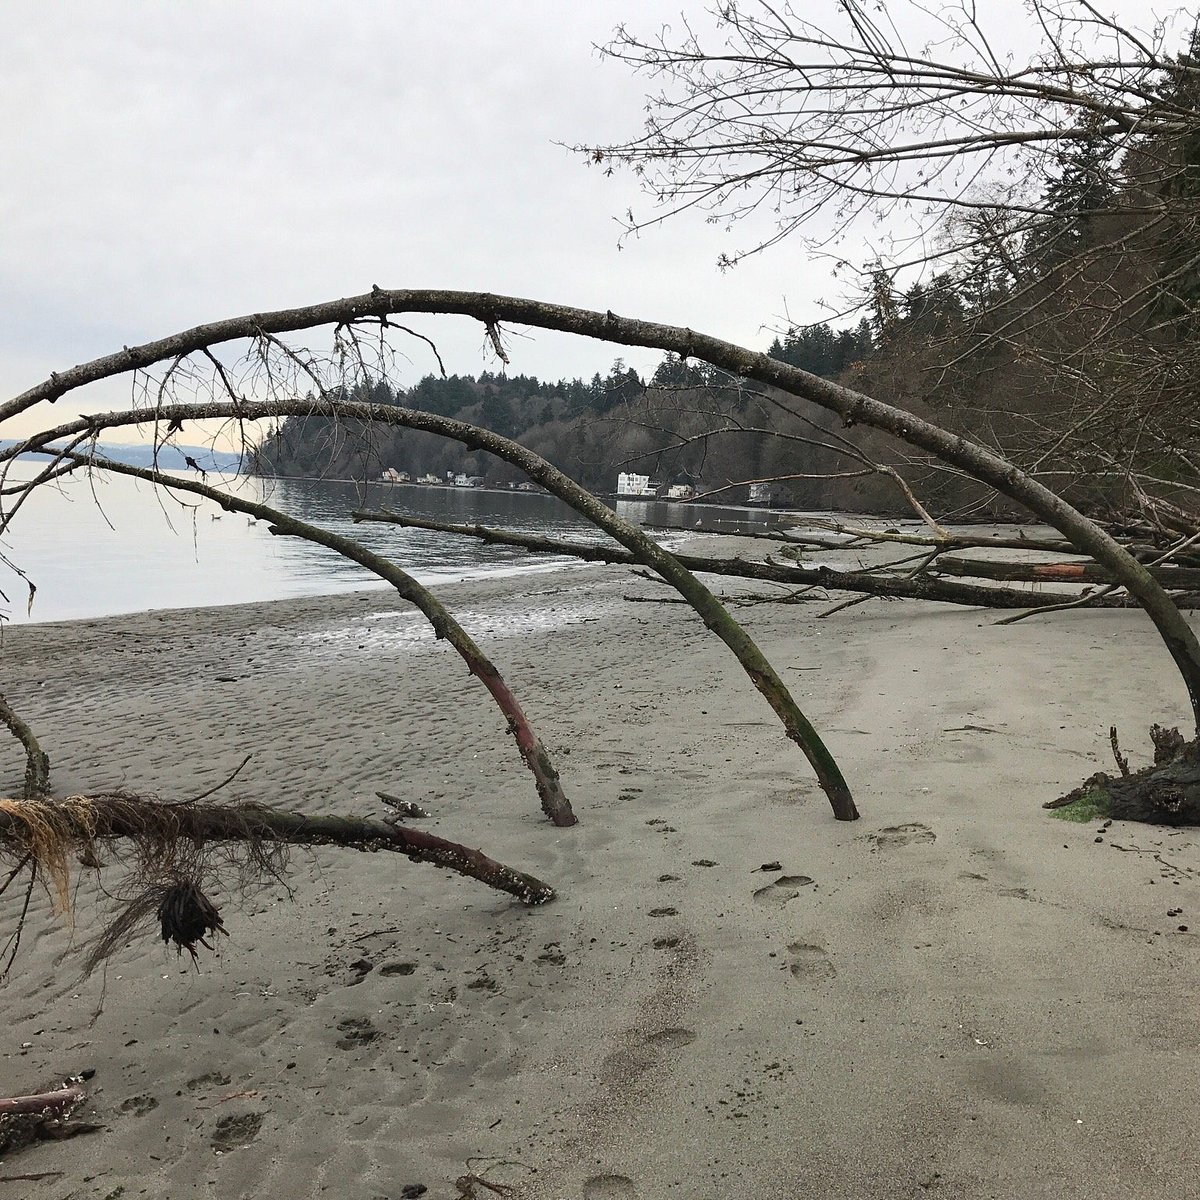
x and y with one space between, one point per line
356 1031
671 1039
233 1131
212 1079
609 1187
808 961
901 835
782 890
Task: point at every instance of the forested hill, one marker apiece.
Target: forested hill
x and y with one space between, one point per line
590 429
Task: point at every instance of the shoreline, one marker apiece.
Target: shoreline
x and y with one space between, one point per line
956 992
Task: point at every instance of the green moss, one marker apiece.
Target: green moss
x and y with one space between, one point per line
1093 805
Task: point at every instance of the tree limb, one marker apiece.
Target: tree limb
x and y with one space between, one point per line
78 822
554 801
37 762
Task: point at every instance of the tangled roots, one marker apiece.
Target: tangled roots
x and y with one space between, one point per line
187 916
171 852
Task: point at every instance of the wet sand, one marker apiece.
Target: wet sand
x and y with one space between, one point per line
954 997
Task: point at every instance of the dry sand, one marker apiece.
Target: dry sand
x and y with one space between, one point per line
957 997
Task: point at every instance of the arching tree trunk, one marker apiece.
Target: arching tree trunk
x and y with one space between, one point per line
379 304
554 802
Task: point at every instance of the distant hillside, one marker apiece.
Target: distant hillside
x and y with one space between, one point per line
594 429
169 458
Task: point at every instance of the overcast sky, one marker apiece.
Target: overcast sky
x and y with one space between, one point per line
165 164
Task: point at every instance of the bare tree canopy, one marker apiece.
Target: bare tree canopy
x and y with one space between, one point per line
770 110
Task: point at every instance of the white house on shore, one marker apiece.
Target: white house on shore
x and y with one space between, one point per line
680 491
635 487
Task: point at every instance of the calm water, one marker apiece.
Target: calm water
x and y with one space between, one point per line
112 545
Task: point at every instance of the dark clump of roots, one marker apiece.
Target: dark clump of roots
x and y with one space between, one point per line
188 916
1166 793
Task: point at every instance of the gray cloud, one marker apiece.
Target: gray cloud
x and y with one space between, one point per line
170 164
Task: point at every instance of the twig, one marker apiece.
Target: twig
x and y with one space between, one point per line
837 608
1182 872
224 782
15 940
1122 761
362 937
1090 598
493 332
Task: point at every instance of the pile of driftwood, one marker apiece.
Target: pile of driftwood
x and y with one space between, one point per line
931 563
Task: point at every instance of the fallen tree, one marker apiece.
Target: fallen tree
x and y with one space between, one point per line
172 839
178 851
328 402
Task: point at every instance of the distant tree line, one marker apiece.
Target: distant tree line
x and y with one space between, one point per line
592 429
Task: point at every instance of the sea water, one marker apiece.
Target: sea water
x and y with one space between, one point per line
104 544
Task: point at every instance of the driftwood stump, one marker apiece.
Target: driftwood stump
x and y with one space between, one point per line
1167 793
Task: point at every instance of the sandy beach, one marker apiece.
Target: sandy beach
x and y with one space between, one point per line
956 997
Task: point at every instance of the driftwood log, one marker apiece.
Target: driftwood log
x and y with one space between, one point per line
1059 572
870 583
1167 793
42 1116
